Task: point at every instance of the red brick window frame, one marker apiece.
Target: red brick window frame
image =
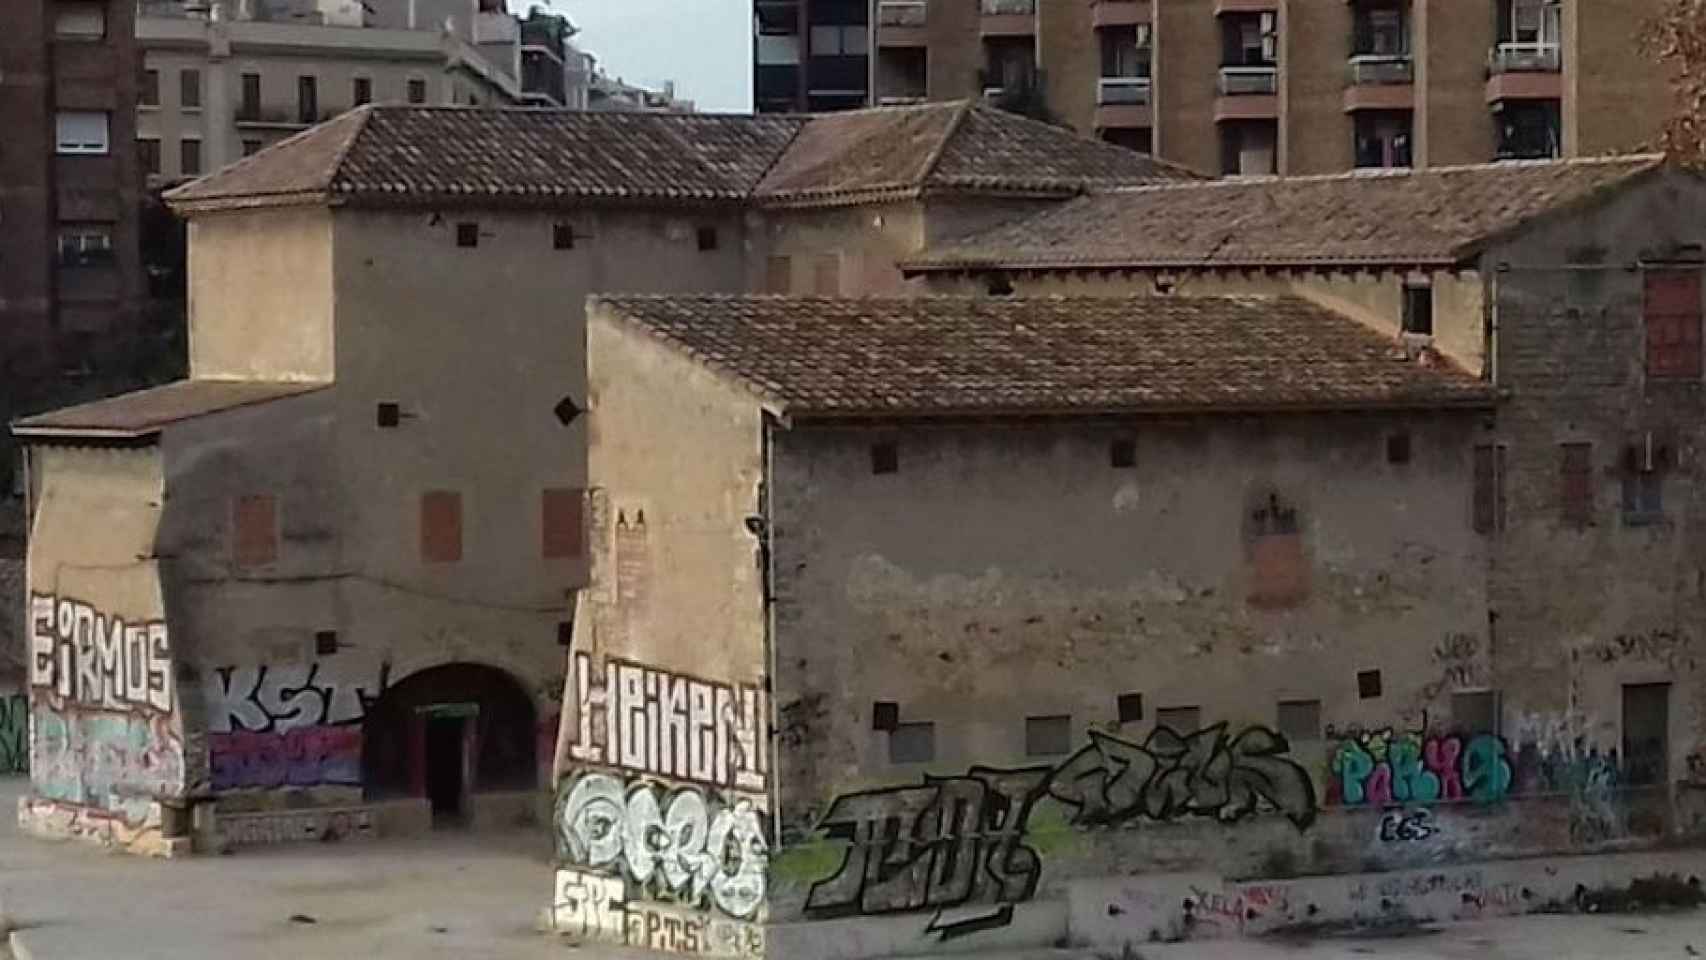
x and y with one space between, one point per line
1672 310
254 530
441 526
1575 476
560 522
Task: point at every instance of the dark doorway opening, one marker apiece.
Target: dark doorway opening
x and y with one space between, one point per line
447 733
1646 733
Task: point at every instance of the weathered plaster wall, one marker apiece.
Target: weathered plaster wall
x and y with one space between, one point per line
856 246
260 294
107 752
664 794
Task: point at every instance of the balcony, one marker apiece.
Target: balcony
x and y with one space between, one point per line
900 23
1380 82
1249 81
257 118
1224 7
1120 13
1123 90
1008 18
1525 58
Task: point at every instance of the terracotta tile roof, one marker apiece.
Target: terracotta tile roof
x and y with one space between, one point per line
1437 216
147 411
938 356
403 154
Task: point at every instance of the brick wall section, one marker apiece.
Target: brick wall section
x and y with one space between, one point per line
1071 59
956 51
1450 44
1314 130
1615 96
1187 55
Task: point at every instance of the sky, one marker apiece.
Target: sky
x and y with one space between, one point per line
705 46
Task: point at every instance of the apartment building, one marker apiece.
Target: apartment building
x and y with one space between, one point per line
68 189
219 86
1245 86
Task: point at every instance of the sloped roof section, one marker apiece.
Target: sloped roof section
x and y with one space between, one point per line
146 412
963 356
396 154
1436 216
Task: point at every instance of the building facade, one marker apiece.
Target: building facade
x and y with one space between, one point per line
1259 86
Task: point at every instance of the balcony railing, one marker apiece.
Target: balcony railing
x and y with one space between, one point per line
999 7
249 116
1382 68
901 13
1117 90
1246 81
1526 57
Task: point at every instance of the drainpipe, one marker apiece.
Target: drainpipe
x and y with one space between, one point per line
1493 322
767 573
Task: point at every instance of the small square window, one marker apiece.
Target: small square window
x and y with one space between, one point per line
562 236
885 715
885 457
1122 453
1299 721
1048 736
1419 310
1129 707
1180 720
467 234
912 743
325 643
1398 447
388 414
707 238
1368 684
1476 712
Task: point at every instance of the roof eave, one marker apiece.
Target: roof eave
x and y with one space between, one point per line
1487 401
254 201
996 263
24 431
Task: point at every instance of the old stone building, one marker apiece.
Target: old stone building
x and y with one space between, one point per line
966 560
325 584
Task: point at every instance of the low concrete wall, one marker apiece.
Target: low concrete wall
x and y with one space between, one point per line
146 828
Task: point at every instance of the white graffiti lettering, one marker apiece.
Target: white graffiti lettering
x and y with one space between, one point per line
595 907
278 699
669 725
679 846
84 657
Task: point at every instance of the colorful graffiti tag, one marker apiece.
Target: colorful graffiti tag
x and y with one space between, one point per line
296 725
597 907
102 759
954 841
1382 768
14 733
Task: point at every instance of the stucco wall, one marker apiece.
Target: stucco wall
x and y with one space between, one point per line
261 294
666 713
862 242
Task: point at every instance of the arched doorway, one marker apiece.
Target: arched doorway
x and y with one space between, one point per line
448 732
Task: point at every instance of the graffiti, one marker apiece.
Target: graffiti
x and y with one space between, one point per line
88 658
1407 826
1172 775
670 842
301 757
136 828
595 907
946 843
278 699
1457 659
1380 768
669 725
956 841
1674 650
14 733
104 760
297 826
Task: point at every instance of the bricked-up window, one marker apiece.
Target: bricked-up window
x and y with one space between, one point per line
1180 720
912 743
1299 721
1489 507
778 274
1475 712
560 522
826 275
1672 313
1279 568
441 526
1048 736
1576 482
254 541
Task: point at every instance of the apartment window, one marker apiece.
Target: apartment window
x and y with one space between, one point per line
562 236
189 89
1576 483
1251 40
467 234
79 21
251 97
1528 130
417 91
707 238
189 157
840 41
251 147
148 155
1126 52
85 245
1383 138
361 91
441 526
826 275
254 526
148 89
912 743
1299 721
307 100
1671 312
1419 309
1532 21
778 274
1181 720
80 132
1489 507
1048 736
1380 31
1248 147
560 523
